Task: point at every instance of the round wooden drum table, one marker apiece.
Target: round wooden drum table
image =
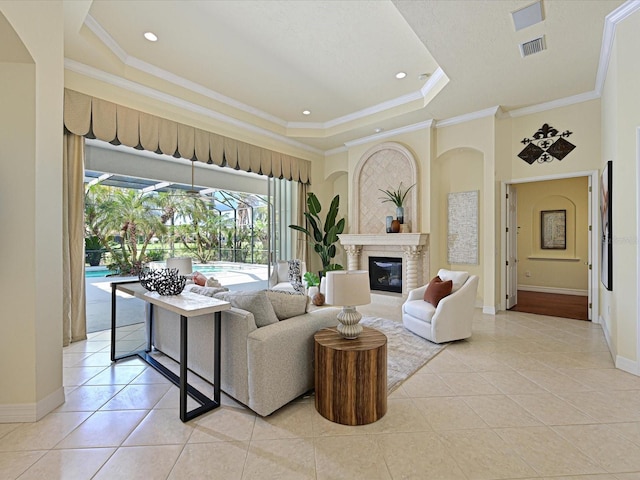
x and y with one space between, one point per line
351 376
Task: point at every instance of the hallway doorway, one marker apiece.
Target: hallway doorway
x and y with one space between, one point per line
556 280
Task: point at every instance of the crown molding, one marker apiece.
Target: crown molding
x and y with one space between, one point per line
148 92
333 151
561 102
202 90
105 38
396 102
610 23
467 117
167 76
391 133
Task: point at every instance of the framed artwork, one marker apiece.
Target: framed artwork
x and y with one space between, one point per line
462 228
553 229
606 235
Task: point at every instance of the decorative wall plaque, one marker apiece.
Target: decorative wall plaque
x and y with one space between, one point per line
547 143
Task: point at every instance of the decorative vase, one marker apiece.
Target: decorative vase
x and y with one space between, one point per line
395 226
313 290
400 214
389 220
318 299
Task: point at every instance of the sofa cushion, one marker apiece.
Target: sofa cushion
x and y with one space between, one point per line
437 290
287 304
457 277
255 302
283 270
419 309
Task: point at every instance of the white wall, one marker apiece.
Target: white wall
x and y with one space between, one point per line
31 214
620 121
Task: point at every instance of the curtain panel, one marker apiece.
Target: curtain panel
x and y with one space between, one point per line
74 324
96 118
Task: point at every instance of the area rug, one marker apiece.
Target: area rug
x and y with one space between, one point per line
406 352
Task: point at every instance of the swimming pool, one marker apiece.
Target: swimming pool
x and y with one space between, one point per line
98 272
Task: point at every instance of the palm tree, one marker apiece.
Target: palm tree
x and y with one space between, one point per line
200 233
128 217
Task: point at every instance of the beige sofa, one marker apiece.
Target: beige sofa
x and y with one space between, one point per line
264 368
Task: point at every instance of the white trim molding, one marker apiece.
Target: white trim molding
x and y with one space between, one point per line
427 124
31 412
558 290
467 117
149 92
427 90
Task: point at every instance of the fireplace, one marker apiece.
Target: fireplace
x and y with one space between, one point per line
385 274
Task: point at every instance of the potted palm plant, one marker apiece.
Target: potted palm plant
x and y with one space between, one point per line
397 197
323 235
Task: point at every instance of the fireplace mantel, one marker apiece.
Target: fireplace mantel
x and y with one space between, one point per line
394 239
411 247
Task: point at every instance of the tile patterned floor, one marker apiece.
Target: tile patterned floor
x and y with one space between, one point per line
526 397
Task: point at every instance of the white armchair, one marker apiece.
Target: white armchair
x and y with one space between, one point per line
451 319
280 278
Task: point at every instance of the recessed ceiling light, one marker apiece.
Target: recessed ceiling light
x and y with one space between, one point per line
306 112
400 75
151 36
424 76
378 130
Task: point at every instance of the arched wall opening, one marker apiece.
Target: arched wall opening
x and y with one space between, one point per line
447 179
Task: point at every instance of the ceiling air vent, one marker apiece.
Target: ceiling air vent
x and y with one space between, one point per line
532 46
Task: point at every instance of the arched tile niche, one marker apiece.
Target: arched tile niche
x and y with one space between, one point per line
383 167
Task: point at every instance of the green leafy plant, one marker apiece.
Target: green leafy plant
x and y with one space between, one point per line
312 279
396 196
323 236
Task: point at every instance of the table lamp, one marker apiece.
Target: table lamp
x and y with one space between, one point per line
348 288
183 264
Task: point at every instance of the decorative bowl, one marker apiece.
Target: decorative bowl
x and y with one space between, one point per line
165 281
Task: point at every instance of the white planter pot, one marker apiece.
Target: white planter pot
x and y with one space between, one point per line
312 291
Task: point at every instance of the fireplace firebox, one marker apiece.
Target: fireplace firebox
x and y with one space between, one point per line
385 274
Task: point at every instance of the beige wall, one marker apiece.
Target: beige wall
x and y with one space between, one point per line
620 121
446 178
474 136
583 119
555 270
31 214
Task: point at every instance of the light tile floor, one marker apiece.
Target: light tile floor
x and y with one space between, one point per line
526 397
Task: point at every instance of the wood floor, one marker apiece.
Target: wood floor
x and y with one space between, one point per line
556 305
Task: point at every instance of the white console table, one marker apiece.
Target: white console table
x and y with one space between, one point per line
186 305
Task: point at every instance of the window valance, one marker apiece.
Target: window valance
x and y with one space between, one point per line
96 118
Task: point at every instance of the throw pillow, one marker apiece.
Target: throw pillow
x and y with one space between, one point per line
199 279
213 282
437 290
206 291
287 304
458 278
255 302
295 275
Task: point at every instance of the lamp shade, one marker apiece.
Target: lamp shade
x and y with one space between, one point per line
183 264
348 288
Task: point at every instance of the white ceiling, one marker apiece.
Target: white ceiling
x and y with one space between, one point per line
262 62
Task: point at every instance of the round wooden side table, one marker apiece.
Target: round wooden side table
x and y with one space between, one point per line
351 376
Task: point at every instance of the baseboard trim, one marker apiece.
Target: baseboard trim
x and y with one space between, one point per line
31 412
629 366
489 310
561 291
